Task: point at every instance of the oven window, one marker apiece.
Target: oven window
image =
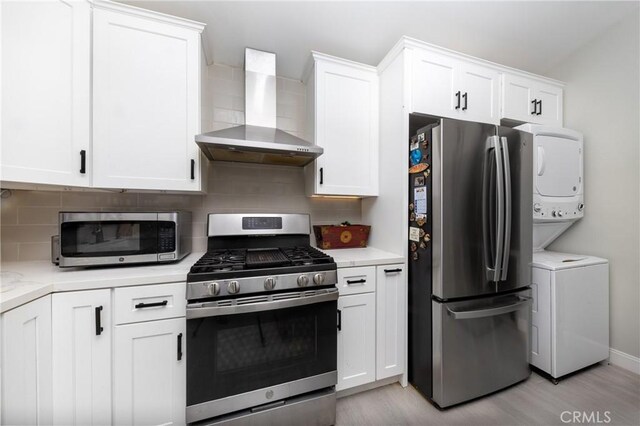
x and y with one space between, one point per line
116 238
232 354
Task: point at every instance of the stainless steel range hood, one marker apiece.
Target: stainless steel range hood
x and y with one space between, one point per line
258 141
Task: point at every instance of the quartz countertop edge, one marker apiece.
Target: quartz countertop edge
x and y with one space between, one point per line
367 256
23 282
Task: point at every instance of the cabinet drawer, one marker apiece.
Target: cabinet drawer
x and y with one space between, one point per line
357 280
147 303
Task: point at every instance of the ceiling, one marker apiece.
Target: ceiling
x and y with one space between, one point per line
529 35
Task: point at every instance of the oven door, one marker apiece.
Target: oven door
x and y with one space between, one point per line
114 238
260 350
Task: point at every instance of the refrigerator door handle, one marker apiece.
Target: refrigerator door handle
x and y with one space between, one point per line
507 208
493 271
490 312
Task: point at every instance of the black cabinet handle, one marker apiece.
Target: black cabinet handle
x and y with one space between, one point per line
465 101
362 281
321 175
540 104
151 305
179 346
391 271
535 107
339 320
99 328
83 161
193 169
458 97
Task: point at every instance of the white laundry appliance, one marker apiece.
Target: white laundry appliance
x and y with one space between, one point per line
570 318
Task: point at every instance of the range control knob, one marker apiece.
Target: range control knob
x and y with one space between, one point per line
537 207
303 280
560 214
214 289
580 206
233 287
553 213
318 279
269 283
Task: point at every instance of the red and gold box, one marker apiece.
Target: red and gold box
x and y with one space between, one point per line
341 236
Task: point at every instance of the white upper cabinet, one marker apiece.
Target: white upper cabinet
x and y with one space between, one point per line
46 74
447 86
529 100
342 107
146 102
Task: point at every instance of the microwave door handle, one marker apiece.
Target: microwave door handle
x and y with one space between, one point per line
507 208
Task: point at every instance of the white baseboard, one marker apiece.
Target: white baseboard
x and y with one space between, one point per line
624 360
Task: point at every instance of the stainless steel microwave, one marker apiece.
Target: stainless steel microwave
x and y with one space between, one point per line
110 238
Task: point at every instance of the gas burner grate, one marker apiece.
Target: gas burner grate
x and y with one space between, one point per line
220 261
266 258
306 256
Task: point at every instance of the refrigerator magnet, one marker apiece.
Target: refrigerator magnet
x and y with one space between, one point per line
420 199
423 245
421 137
427 173
421 219
414 255
412 217
414 144
427 237
414 234
416 156
418 168
413 246
418 181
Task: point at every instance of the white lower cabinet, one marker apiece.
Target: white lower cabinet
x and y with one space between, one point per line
391 317
26 364
373 316
356 340
81 325
149 373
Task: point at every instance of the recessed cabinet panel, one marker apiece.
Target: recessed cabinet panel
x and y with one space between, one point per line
45 91
356 340
343 114
481 90
81 324
146 83
434 80
26 364
149 373
391 317
550 107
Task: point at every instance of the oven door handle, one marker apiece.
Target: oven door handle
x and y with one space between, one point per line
201 310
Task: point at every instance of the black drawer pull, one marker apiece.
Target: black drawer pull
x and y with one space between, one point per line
540 105
535 107
193 169
99 328
465 96
362 281
339 320
83 161
390 271
179 346
151 305
321 175
458 98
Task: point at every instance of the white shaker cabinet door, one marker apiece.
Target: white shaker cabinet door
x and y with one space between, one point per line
45 92
435 88
146 103
149 373
346 127
550 105
480 93
26 364
391 318
356 340
81 323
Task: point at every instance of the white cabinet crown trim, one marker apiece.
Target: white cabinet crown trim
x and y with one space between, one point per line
315 56
412 43
148 14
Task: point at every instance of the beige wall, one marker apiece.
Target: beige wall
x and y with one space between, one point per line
602 101
28 218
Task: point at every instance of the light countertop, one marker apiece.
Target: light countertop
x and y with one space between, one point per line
367 256
22 282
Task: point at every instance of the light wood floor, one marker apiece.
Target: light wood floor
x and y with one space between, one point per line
534 402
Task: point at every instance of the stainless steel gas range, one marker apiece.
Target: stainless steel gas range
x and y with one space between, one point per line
261 324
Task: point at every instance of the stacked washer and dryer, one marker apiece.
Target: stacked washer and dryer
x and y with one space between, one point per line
570 318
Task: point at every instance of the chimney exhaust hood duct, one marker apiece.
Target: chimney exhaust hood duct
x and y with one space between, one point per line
258 141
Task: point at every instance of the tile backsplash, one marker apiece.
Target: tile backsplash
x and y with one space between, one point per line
29 218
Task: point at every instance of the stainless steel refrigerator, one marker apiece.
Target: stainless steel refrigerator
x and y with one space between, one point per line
470 239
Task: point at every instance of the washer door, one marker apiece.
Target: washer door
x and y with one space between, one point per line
557 168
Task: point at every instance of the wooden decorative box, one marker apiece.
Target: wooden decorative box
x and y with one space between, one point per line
341 236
